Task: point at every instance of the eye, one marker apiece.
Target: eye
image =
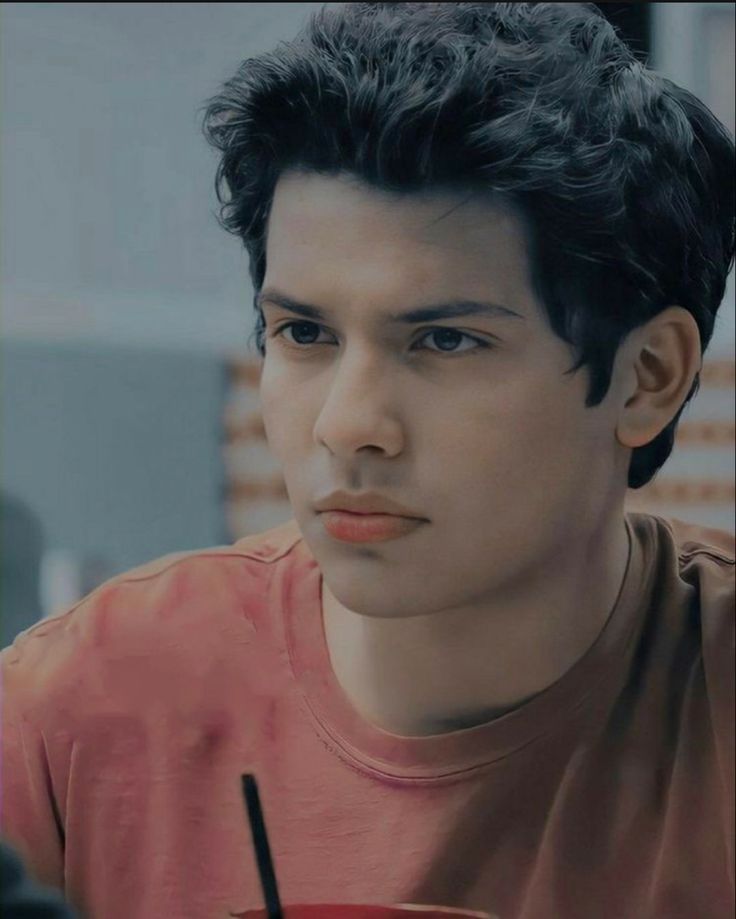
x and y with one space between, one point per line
447 339
303 333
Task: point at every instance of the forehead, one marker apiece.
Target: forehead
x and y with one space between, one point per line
334 236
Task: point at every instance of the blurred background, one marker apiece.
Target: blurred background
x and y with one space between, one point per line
130 426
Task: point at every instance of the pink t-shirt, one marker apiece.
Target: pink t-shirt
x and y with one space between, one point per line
129 720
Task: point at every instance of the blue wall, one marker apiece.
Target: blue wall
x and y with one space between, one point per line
115 449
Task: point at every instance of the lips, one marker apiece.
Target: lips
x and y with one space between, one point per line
364 503
354 527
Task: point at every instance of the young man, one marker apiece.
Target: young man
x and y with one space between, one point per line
488 247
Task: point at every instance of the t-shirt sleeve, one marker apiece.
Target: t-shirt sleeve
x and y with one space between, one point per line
719 648
29 819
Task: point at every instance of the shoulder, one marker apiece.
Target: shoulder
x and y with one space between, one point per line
692 570
705 568
694 540
701 556
177 608
706 562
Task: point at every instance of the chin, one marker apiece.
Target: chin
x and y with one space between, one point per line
363 596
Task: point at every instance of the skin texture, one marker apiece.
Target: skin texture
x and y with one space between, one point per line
520 559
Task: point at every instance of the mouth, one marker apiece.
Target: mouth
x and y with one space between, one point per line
356 526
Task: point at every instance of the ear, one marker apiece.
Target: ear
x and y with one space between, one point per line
659 362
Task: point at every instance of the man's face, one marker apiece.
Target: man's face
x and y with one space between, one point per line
470 422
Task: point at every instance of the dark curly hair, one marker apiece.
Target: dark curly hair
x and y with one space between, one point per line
625 179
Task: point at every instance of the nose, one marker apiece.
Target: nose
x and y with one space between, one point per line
359 410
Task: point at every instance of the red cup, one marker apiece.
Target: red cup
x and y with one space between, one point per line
358 911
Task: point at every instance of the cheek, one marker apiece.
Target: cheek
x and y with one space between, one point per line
287 418
277 414
523 443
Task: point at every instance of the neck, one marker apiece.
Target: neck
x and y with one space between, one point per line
448 670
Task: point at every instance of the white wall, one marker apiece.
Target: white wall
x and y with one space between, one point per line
693 45
107 226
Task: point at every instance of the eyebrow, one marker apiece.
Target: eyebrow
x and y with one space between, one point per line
427 313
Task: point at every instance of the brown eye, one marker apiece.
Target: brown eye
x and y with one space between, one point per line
447 341
302 332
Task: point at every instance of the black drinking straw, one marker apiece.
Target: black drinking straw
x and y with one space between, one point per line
263 852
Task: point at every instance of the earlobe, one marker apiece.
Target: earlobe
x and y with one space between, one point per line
637 431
